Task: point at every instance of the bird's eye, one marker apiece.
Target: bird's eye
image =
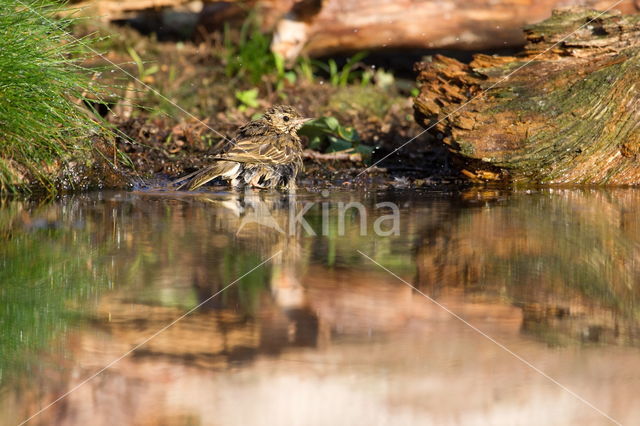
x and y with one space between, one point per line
285 118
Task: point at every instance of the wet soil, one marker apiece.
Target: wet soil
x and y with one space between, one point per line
161 150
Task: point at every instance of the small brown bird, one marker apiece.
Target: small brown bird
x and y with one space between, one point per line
266 153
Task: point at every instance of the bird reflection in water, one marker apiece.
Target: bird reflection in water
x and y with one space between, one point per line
259 224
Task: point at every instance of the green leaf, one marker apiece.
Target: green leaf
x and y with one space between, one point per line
365 150
348 133
137 59
291 77
325 134
151 70
248 98
338 145
315 143
279 63
343 78
332 123
333 72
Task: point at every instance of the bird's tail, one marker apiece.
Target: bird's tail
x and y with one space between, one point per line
224 169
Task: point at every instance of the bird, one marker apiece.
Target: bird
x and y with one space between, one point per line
266 153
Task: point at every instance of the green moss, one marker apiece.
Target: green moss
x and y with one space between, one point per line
369 100
579 112
466 148
566 20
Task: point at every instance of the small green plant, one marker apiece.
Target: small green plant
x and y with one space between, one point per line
282 73
326 134
384 79
340 77
367 78
305 69
249 56
43 122
143 72
247 98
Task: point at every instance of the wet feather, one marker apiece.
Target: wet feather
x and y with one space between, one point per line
266 153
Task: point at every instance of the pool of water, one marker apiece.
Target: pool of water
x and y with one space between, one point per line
321 308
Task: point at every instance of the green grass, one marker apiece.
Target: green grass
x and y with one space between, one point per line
341 77
43 123
248 58
248 55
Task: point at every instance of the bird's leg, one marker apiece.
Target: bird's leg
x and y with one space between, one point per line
291 186
236 183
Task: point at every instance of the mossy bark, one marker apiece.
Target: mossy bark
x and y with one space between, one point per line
565 111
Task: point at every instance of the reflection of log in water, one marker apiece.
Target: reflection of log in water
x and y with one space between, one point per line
569 260
297 333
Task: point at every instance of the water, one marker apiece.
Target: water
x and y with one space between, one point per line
482 307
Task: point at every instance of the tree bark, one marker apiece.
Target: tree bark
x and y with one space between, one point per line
565 111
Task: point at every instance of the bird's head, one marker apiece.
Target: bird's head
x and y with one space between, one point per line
284 119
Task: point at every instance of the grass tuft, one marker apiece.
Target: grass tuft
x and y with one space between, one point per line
43 120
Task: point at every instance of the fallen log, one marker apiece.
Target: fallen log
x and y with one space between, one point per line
323 27
565 111
116 10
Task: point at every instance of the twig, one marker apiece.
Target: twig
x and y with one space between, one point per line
346 155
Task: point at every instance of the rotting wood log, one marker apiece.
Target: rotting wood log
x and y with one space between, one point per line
115 10
211 14
322 27
565 111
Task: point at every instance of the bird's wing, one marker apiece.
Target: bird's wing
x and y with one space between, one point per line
259 149
224 169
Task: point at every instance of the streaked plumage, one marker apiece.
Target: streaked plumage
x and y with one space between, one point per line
266 153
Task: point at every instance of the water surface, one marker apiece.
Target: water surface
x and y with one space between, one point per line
292 325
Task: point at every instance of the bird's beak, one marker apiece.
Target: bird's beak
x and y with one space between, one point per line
301 121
